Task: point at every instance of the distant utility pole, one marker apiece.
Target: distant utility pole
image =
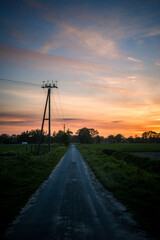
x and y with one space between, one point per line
49 86
64 126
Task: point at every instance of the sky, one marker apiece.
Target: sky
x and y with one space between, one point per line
104 54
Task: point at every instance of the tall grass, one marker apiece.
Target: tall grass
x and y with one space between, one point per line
133 181
129 147
13 149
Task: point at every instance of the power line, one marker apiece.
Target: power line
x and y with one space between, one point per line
56 108
60 103
19 82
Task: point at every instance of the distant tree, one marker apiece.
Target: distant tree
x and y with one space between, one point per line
63 137
111 139
118 138
13 138
34 136
5 139
54 134
137 140
151 136
86 135
98 139
130 139
69 132
23 137
74 139
93 132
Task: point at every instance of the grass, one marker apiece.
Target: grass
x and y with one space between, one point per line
13 149
20 176
131 147
134 181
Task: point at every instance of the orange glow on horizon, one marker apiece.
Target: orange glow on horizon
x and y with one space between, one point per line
105 130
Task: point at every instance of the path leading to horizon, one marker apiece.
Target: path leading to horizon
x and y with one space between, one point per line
66 207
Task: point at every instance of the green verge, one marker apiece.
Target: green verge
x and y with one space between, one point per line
132 147
134 181
20 176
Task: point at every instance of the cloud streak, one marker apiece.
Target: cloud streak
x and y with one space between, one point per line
134 60
153 32
16 123
116 89
90 40
8 51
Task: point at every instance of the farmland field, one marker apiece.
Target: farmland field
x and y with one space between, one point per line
20 176
133 180
12 149
130 147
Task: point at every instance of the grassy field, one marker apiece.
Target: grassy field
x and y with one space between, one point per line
13 149
134 181
20 176
131 147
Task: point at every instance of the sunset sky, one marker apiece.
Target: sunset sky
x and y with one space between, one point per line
105 56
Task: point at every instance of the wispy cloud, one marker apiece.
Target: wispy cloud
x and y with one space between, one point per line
153 32
73 119
82 39
117 121
7 51
132 77
119 90
16 123
17 115
93 41
134 60
27 94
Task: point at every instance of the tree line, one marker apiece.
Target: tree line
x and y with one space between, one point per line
83 135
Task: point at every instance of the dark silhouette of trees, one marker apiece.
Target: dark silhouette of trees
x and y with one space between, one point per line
32 136
98 139
110 139
23 137
118 138
115 139
5 139
63 137
151 136
86 135
83 135
130 139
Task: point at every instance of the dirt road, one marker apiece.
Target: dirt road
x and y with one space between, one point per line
66 207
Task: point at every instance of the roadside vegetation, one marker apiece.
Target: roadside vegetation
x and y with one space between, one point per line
20 176
134 181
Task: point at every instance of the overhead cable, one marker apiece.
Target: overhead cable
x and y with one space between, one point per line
19 82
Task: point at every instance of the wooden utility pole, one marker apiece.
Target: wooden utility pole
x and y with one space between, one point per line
64 126
48 102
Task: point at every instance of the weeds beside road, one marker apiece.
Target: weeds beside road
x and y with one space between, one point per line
20 176
134 181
